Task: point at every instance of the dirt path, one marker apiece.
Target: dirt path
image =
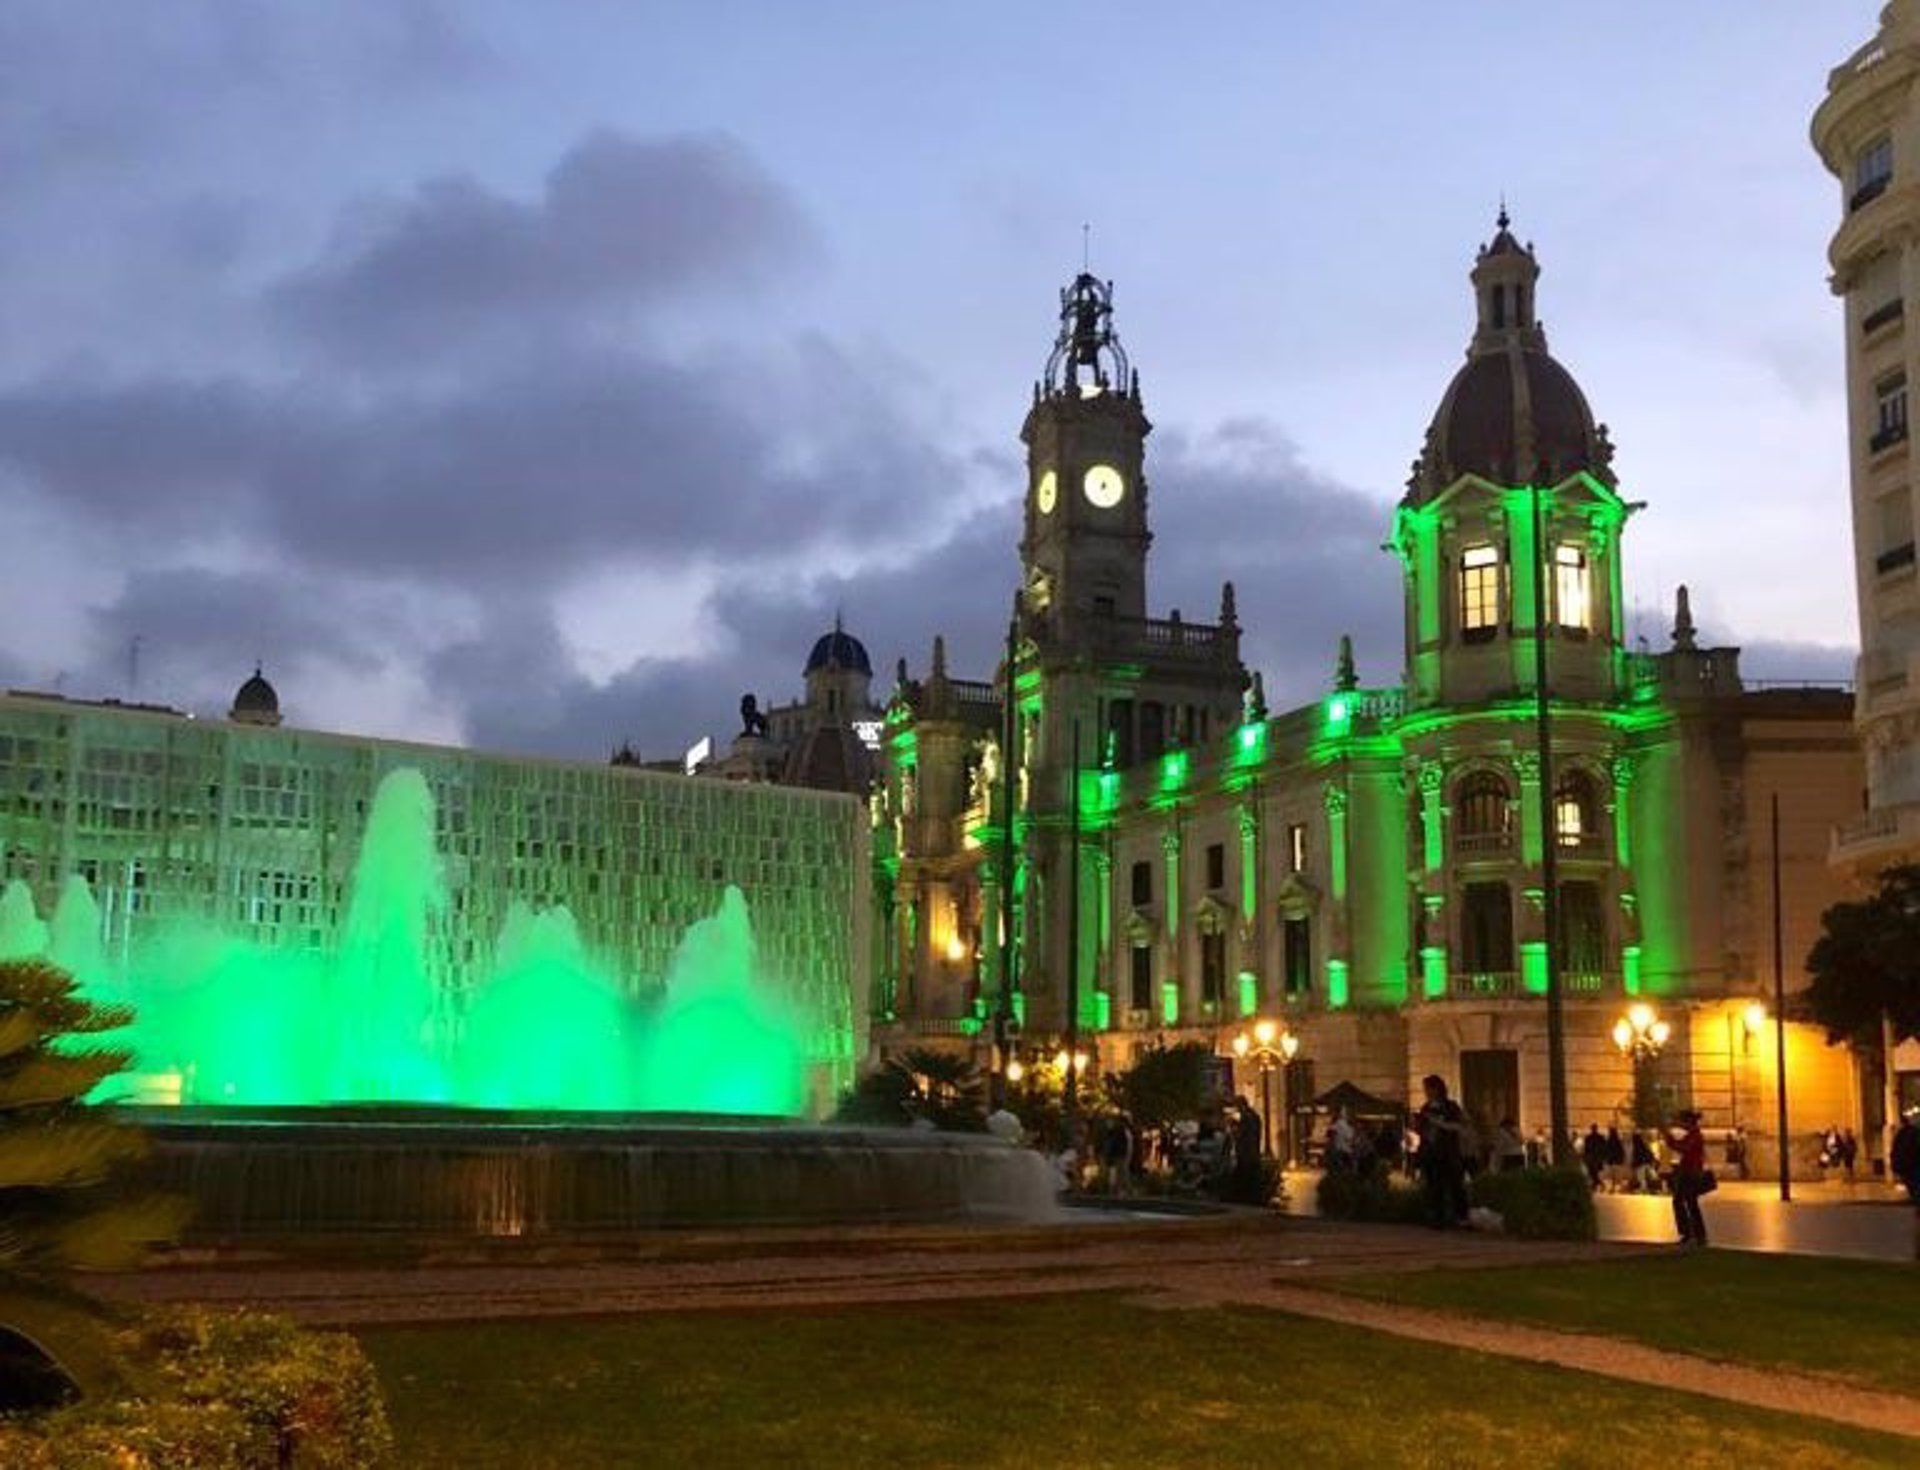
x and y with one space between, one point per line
1762 1388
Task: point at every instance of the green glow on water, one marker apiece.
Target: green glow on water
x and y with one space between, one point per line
542 1023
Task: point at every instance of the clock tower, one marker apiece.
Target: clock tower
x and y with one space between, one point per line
1084 552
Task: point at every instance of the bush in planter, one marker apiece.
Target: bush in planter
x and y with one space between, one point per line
1539 1204
1371 1195
219 1389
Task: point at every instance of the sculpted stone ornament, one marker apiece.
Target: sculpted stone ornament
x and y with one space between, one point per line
752 722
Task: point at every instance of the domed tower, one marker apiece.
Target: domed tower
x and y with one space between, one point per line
1084 550
255 703
1513 468
838 677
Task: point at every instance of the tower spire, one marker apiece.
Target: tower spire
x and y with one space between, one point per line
1684 637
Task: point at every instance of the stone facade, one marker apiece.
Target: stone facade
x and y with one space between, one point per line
1372 868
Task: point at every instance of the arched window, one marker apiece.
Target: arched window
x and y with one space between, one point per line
1483 812
1576 810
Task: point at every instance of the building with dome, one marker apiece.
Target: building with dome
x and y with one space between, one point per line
824 740
1376 871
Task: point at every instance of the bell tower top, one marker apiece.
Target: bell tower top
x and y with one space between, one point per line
1087 358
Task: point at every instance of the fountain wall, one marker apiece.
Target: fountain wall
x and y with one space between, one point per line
400 889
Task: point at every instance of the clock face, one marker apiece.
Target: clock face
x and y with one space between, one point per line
1104 486
1046 492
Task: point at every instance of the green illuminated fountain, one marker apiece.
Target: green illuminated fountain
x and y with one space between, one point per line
221 1021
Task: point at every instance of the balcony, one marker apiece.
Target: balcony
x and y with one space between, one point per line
1482 844
1868 192
1894 560
1883 316
1582 845
1484 985
1877 839
1887 436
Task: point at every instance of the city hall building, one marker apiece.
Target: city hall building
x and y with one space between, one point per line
1369 869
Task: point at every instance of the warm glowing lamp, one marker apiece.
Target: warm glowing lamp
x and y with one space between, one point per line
1289 1044
1241 1046
1641 1015
956 949
1015 1071
1754 1017
1623 1033
1263 1032
1659 1031
1060 1060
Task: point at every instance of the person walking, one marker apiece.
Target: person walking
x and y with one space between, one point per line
1116 1156
1690 1178
1646 1177
1442 1158
1849 1152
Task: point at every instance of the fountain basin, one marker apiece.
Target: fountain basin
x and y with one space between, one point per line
459 1172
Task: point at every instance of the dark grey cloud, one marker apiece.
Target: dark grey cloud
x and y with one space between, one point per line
1235 502
622 223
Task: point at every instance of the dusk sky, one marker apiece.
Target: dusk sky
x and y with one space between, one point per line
545 375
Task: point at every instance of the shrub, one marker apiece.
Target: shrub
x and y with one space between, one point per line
220 1389
1539 1204
1371 1195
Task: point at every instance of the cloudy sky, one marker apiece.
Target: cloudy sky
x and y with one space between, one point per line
547 375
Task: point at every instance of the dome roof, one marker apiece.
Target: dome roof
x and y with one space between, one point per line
257 697
256 703
839 650
1513 417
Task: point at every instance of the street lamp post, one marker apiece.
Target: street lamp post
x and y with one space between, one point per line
1640 1034
1269 1046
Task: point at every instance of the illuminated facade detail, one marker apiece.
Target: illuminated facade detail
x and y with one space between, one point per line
1371 862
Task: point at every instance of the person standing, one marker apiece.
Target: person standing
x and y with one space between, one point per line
1442 1157
1903 1156
1616 1160
1689 1177
1593 1153
1116 1156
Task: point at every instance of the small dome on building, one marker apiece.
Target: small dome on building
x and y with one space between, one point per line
256 703
839 650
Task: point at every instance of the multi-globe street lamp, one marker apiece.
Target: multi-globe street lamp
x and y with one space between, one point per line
1271 1046
1640 1034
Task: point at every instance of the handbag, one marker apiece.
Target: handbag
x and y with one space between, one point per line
1707 1183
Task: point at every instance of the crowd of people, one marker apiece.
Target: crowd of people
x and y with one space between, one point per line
1218 1155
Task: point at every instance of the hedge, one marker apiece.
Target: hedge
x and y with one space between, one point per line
1539 1204
218 1391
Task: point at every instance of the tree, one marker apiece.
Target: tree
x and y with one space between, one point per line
1167 1085
64 1200
940 1086
1866 963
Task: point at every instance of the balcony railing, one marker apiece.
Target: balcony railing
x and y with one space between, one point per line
1471 844
1882 316
1581 845
1868 192
1887 436
1481 983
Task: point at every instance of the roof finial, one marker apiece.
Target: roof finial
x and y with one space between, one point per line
1086 249
1503 221
1344 676
1683 630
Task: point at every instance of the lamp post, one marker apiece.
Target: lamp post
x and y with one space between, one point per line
1640 1034
1270 1046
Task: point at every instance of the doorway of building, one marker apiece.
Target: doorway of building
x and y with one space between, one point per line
1490 1086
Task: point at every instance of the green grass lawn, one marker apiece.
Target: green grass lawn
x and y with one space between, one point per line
1079 1381
1851 1318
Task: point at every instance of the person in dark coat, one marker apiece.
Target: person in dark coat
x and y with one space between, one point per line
1593 1153
1903 1156
1249 1178
1442 1157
